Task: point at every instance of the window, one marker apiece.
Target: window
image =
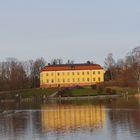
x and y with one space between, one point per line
58 80
77 73
47 81
68 80
88 79
51 74
58 73
63 73
83 73
98 72
99 79
93 79
78 80
83 79
93 72
47 74
87 72
73 80
52 80
63 80
72 73
68 73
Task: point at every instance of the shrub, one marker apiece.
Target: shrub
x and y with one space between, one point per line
65 92
108 91
114 91
100 90
94 86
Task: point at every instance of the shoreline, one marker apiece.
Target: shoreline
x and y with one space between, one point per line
36 94
60 98
85 97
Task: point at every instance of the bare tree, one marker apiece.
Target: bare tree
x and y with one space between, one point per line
120 63
109 64
35 71
12 75
16 74
135 60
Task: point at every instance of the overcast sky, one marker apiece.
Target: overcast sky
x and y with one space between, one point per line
80 30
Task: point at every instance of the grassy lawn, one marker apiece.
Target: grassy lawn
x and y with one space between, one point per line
88 91
73 92
26 93
129 90
83 92
36 92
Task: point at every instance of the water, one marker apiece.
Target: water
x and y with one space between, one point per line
101 119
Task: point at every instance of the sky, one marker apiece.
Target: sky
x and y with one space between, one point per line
78 30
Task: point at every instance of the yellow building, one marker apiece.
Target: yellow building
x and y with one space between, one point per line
62 117
69 75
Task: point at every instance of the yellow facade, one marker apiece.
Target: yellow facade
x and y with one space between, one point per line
71 78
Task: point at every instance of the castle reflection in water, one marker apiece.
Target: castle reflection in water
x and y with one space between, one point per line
66 117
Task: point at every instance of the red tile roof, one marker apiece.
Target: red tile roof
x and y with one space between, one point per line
62 67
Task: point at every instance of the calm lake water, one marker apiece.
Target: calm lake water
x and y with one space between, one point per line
98 119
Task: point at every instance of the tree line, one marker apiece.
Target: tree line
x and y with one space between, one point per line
15 74
125 71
